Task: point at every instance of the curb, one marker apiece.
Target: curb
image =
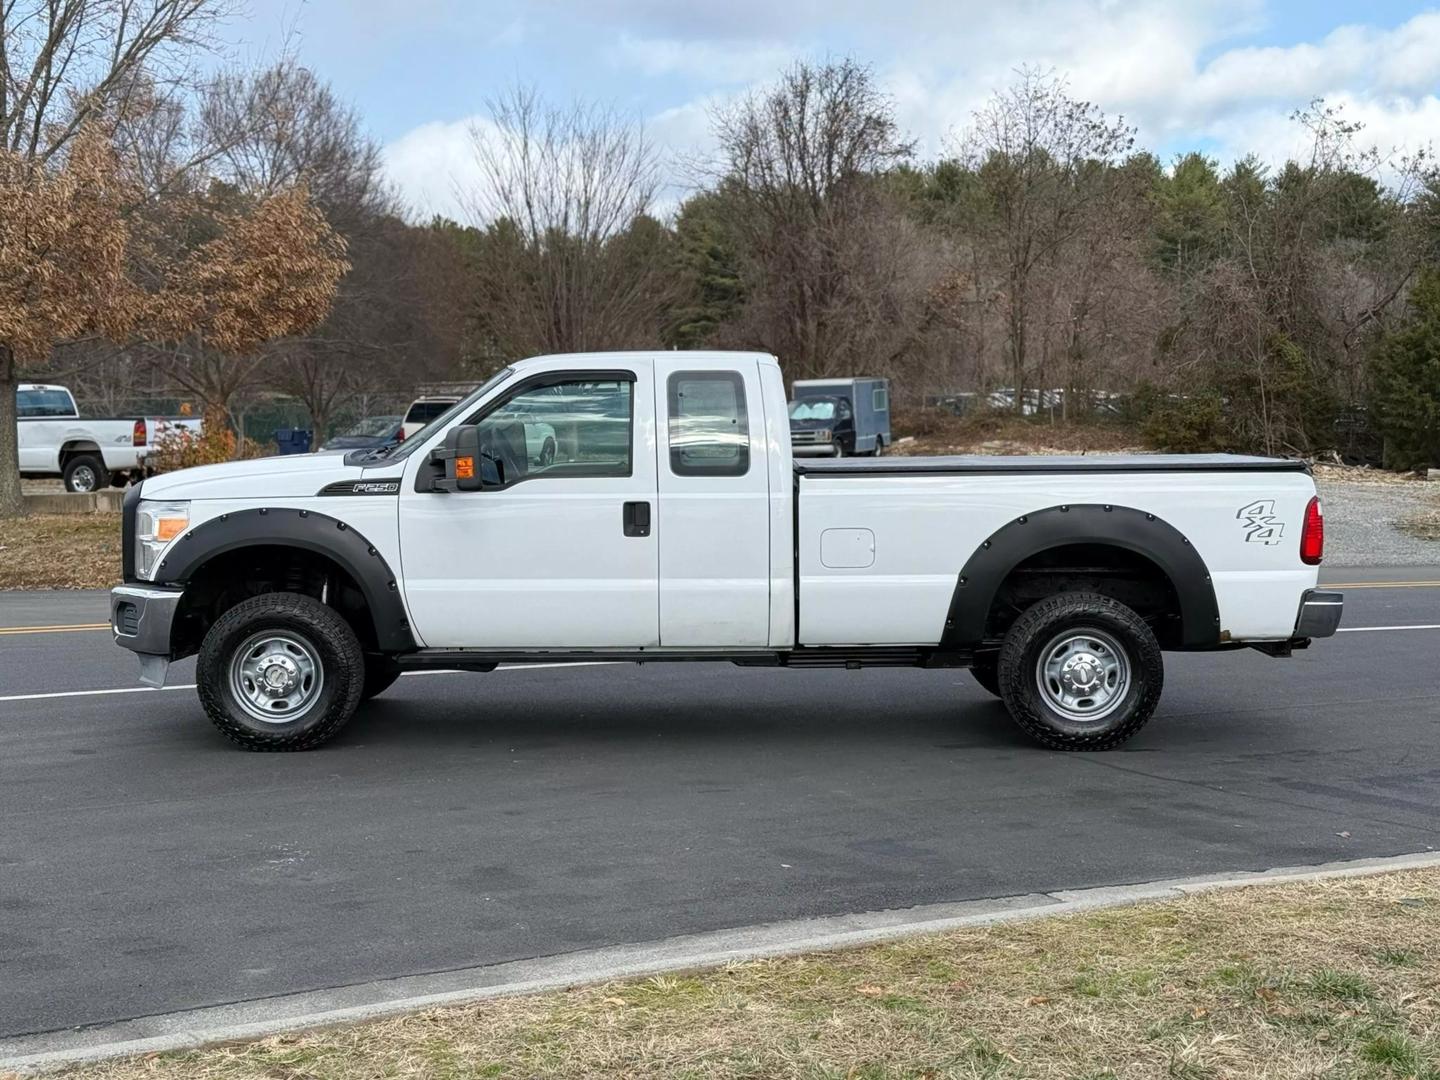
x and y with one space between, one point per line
365 1001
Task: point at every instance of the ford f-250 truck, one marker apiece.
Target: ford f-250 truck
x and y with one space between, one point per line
671 524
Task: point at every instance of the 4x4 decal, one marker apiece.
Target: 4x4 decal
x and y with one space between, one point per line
1259 522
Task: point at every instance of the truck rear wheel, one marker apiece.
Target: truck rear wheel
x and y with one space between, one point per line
85 473
1080 671
280 671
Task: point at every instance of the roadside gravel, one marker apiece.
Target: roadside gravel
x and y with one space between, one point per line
1361 519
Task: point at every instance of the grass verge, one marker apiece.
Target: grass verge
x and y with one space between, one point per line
1331 979
60 551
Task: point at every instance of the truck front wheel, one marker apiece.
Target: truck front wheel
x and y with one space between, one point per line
280 671
1080 671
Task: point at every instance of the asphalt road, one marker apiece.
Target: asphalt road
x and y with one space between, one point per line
146 865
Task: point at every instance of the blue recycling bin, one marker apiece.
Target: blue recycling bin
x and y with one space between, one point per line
293 440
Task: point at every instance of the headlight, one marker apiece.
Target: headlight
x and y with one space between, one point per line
156 524
825 435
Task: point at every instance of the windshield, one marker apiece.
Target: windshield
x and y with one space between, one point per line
374 426
813 409
34 403
400 451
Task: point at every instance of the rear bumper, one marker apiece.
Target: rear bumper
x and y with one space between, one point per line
140 618
1320 613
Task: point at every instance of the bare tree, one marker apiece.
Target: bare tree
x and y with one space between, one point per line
565 259
64 63
827 269
1047 164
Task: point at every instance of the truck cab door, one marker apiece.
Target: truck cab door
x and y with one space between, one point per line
714 512
557 552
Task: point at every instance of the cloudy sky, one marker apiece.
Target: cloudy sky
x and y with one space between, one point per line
1220 76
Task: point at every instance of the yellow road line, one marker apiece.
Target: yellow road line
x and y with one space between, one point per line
53 629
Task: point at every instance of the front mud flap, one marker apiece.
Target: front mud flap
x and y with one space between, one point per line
153 669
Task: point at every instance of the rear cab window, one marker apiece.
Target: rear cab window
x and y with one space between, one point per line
33 404
709 425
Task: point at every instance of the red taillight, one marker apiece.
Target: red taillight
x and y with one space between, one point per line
400 435
1312 537
137 433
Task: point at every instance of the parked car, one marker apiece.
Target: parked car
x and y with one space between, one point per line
88 453
369 433
425 409
839 417
676 527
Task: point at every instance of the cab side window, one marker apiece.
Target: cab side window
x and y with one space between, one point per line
578 428
709 426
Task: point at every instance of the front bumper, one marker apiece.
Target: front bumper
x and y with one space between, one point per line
141 617
812 449
1320 613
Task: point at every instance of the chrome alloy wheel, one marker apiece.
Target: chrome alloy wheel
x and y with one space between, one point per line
1083 674
84 479
276 676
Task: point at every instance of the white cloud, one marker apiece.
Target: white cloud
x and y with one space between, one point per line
433 165
721 63
1183 73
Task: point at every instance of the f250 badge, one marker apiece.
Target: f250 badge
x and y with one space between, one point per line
1260 524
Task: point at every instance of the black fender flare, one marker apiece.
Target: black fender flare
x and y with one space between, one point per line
1057 526
308 531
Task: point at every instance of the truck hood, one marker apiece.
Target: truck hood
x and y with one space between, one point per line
288 477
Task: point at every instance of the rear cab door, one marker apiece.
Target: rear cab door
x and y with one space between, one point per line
716 466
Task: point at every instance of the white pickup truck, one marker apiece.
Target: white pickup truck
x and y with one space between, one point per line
88 453
671 524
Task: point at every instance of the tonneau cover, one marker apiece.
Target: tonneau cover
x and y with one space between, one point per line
1046 463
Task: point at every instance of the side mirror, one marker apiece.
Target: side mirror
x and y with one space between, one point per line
460 456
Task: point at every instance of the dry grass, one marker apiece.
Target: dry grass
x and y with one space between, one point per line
1364 474
934 431
1424 523
1336 979
60 551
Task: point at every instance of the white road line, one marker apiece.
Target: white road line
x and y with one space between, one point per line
97 693
191 686
1371 629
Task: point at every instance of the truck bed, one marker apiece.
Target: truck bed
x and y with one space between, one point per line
883 541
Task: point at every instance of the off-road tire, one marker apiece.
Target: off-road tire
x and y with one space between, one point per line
339 654
1038 626
98 470
380 674
986 670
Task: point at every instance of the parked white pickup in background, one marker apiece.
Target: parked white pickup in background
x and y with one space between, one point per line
88 453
